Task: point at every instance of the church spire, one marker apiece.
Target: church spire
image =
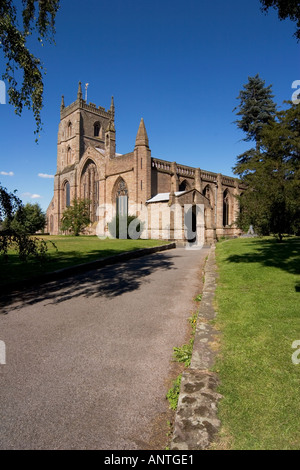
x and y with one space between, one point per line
79 93
142 137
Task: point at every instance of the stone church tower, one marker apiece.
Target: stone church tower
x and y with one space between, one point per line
89 167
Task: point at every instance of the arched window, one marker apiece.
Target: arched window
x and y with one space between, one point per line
121 197
51 224
67 194
69 156
184 186
226 208
97 128
208 193
70 130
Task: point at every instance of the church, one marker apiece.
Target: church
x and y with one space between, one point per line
88 167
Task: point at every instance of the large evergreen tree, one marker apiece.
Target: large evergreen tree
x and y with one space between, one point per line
256 108
271 201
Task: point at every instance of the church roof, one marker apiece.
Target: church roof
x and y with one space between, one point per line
102 151
163 197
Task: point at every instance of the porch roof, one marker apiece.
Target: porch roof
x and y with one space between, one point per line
163 197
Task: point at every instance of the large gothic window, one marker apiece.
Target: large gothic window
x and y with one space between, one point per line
90 187
121 197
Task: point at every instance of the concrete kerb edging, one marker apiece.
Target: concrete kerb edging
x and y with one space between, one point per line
80 268
196 421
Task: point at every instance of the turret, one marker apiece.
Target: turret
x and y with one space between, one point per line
142 137
79 92
110 139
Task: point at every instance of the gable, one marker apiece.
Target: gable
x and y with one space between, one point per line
193 196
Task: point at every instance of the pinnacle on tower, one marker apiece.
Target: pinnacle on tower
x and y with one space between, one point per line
142 137
112 108
111 126
197 180
79 93
62 105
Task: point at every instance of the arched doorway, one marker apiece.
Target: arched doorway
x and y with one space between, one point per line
190 222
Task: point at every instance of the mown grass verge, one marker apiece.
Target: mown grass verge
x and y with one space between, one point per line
258 304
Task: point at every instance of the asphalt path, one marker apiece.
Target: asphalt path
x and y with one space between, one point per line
87 357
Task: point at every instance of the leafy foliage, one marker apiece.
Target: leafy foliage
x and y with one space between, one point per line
173 393
286 9
134 226
184 353
11 237
37 17
76 217
28 219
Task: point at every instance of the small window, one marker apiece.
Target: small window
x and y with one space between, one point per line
69 156
70 130
141 163
96 129
141 184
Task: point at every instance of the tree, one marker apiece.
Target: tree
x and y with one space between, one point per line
130 226
29 219
256 108
76 217
286 9
271 201
12 238
37 17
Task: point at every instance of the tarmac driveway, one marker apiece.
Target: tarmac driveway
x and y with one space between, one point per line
87 357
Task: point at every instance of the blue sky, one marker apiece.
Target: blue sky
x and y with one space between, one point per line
179 65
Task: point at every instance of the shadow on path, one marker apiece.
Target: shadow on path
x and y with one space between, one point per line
110 281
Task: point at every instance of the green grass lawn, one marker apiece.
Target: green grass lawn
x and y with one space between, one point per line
70 251
258 304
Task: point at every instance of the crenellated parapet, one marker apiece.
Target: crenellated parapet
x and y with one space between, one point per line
91 107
